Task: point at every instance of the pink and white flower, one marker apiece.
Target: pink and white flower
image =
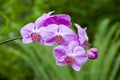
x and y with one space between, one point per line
57 34
73 55
82 35
30 33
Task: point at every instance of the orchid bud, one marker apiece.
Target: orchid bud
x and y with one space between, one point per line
92 53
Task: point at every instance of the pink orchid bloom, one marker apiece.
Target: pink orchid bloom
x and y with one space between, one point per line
57 34
47 19
73 55
30 33
82 35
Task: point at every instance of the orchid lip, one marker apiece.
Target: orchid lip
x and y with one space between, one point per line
69 60
35 36
58 39
87 43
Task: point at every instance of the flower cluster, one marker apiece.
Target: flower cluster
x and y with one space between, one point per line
55 29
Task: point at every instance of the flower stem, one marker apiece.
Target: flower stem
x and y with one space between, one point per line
10 40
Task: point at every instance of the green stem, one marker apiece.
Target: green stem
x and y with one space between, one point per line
10 40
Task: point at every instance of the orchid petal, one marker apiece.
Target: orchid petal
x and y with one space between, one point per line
68 38
59 51
27 40
58 19
80 56
79 49
64 19
82 34
64 16
27 29
80 59
48 33
72 45
65 30
61 63
76 67
39 22
26 32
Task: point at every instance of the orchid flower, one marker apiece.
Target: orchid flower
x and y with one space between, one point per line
82 35
72 55
57 34
30 33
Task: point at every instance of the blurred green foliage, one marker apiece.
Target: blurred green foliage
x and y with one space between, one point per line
20 61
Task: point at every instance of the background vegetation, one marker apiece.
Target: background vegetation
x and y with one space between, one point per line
20 61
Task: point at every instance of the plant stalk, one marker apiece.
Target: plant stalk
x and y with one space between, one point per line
10 40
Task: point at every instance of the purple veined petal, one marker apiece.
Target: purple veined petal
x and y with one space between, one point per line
63 63
80 56
59 51
65 30
79 49
60 55
27 40
76 67
49 21
85 33
58 19
68 38
50 42
55 20
26 32
78 27
81 38
39 22
64 19
82 34
29 26
62 58
48 34
80 59
27 29
64 22
50 29
64 16
72 45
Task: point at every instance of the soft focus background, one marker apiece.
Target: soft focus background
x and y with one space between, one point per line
33 61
